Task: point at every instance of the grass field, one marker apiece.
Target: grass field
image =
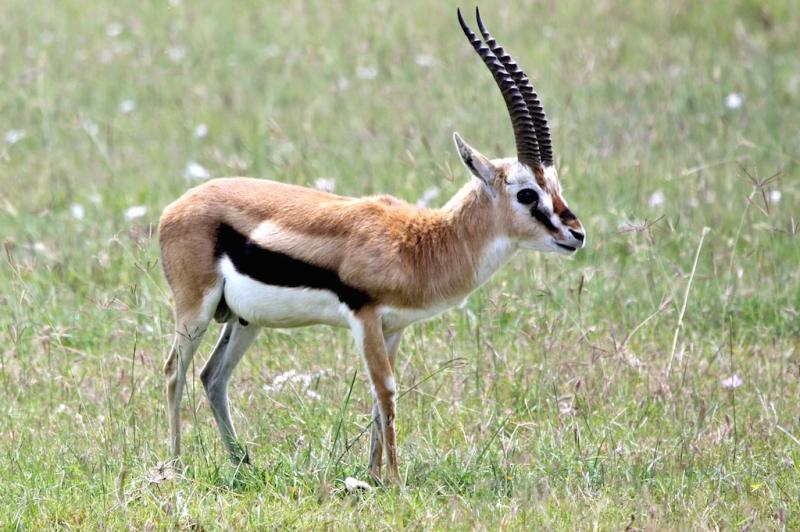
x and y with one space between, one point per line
650 382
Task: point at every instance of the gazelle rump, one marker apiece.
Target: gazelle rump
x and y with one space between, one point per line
253 253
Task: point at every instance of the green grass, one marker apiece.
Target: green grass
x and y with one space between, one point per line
548 402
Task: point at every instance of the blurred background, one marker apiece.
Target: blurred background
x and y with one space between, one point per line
651 380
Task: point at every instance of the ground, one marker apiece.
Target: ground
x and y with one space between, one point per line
649 382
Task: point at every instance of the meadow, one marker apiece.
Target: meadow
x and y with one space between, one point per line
648 382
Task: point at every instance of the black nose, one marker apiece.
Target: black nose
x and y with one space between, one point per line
577 235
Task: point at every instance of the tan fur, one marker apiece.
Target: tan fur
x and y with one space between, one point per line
399 254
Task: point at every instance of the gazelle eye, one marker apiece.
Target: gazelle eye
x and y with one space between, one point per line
526 196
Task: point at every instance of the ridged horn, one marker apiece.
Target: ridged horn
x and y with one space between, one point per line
521 121
535 109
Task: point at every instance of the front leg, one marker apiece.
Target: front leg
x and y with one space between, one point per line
368 333
376 440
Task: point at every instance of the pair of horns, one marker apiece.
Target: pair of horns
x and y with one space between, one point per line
531 132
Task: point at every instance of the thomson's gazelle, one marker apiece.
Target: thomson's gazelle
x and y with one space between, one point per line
252 253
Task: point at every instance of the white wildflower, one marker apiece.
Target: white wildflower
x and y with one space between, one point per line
325 184
656 199
353 484
775 196
425 60
313 395
162 472
284 148
734 381
176 53
77 211
428 196
734 101
89 126
134 212
195 171
127 106
793 84
201 131
366 72
272 50
113 29
14 135
293 378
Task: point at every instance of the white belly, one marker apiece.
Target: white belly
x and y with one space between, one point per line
395 319
278 306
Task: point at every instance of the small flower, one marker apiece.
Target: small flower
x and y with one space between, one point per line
734 101
195 171
176 53
77 211
428 196
14 135
425 60
734 381
272 50
163 471
656 199
201 131
353 484
366 72
775 196
134 212
127 106
313 395
113 29
89 126
325 184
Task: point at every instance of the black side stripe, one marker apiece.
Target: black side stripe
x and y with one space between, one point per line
279 269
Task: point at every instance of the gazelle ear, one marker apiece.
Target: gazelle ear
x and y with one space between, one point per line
480 166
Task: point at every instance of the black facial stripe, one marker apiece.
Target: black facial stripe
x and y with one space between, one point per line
544 219
279 269
567 216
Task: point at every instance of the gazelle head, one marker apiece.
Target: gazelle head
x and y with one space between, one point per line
525 190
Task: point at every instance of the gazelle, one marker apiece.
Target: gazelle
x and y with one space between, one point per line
252 253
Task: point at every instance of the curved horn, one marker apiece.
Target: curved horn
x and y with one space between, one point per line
535 109
521 121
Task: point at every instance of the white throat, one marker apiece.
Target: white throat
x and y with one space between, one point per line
495 253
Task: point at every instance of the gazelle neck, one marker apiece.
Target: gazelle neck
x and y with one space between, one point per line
471 235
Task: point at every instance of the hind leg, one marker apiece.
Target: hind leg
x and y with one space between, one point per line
233 341
187 340
192 319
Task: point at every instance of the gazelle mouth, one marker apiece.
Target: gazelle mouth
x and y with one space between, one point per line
564 246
